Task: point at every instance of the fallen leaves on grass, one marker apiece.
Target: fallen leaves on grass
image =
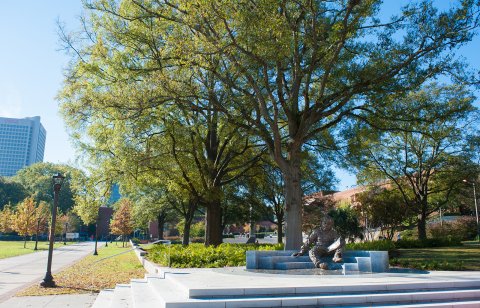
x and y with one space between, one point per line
93 273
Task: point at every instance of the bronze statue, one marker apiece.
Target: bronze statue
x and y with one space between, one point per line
326 242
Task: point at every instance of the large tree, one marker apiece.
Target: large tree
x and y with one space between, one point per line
426 159
294 69
195 153
37 181
11 192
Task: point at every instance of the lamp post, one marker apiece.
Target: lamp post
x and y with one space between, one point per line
476 207
95 253
57 184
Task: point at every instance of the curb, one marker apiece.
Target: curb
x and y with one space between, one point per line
150 267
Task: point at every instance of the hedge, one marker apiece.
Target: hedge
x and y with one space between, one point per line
201 256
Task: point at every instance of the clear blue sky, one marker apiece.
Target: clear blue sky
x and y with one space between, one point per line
31 66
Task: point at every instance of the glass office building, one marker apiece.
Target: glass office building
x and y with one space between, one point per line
22 143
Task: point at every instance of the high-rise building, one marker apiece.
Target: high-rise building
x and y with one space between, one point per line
22 143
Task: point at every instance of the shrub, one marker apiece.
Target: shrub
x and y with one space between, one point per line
409 234
384 245
198 255
390 246
431 242
463 228
198 229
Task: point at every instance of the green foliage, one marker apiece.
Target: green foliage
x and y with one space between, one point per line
182 95
198 255
88 198
387 245
37 181
426 156
198 229
409 234
346 223
384 245
383 208
11 192
464 228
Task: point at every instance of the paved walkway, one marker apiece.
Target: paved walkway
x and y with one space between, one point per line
51 301
19 272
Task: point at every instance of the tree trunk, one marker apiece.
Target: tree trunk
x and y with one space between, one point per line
422 226
186 231
161 224
25 241
213 223
279 232
422 219
293 205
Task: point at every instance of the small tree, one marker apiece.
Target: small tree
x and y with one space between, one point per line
25 222
42 214
346 223
384 209
122 221
6 218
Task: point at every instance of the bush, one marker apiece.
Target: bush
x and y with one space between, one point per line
464 228
411 234
384 245
200 256
198 229
387 245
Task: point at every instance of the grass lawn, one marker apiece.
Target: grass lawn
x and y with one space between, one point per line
94 273
463 258
15 248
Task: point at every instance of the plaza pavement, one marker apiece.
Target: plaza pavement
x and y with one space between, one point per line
19 272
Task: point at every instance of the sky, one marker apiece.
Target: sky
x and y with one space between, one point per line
32 64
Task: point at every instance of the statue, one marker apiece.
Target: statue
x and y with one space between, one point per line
326 242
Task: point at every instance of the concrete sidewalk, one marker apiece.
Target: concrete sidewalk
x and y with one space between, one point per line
19 272
51 301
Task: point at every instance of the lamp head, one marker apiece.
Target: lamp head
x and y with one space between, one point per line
58 180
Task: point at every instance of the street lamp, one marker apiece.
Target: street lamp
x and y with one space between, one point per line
57 184
476 207
95 253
